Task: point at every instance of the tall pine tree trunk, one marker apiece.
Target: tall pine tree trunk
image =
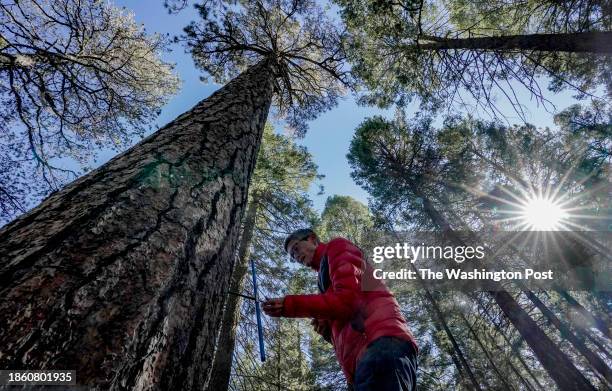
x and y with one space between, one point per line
474 384
461 363
566 333
509 362
463 381
121 275
557 364
231 315
501 376
601 324
515 351
586 42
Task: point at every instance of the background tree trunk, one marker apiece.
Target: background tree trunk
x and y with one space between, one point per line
601 324
500 375
587 42
231 314
462 363
516 353
566 333
122 274
557 364
509 362
474 383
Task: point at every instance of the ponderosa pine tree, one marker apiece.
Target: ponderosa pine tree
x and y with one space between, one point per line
74 76
122 275
465 53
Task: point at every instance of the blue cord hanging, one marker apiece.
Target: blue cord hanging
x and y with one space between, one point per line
262 353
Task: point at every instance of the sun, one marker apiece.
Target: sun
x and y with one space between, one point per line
543 214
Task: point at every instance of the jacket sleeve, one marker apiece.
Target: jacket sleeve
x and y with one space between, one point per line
340 301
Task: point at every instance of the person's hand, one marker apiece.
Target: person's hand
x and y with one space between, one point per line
319 326
274 307
322 328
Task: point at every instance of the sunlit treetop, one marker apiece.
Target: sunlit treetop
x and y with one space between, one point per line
298 36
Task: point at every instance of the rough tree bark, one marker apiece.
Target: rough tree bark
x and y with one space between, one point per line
121 275
587 42
222 366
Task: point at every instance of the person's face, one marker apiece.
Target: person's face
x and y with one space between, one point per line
303 250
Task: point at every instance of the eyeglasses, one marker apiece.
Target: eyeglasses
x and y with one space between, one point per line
292 252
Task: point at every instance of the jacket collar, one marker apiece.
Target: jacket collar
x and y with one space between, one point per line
316 258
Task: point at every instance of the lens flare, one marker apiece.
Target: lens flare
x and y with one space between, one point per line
543 214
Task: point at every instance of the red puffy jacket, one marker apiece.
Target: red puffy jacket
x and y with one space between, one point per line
357 315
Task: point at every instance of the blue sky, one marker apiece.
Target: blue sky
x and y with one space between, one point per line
329 135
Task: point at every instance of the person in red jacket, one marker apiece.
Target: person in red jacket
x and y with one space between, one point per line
354 311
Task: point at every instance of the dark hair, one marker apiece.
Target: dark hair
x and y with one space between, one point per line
299 234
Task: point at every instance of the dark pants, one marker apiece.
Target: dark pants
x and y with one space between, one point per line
388 364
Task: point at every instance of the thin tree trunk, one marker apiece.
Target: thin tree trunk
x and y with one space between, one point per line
587 42
509 342
509 362
222 366
449 334
122 274
557 364
596 362
455 360
462 379
299 349
597 322
457 349
502 378
278 355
